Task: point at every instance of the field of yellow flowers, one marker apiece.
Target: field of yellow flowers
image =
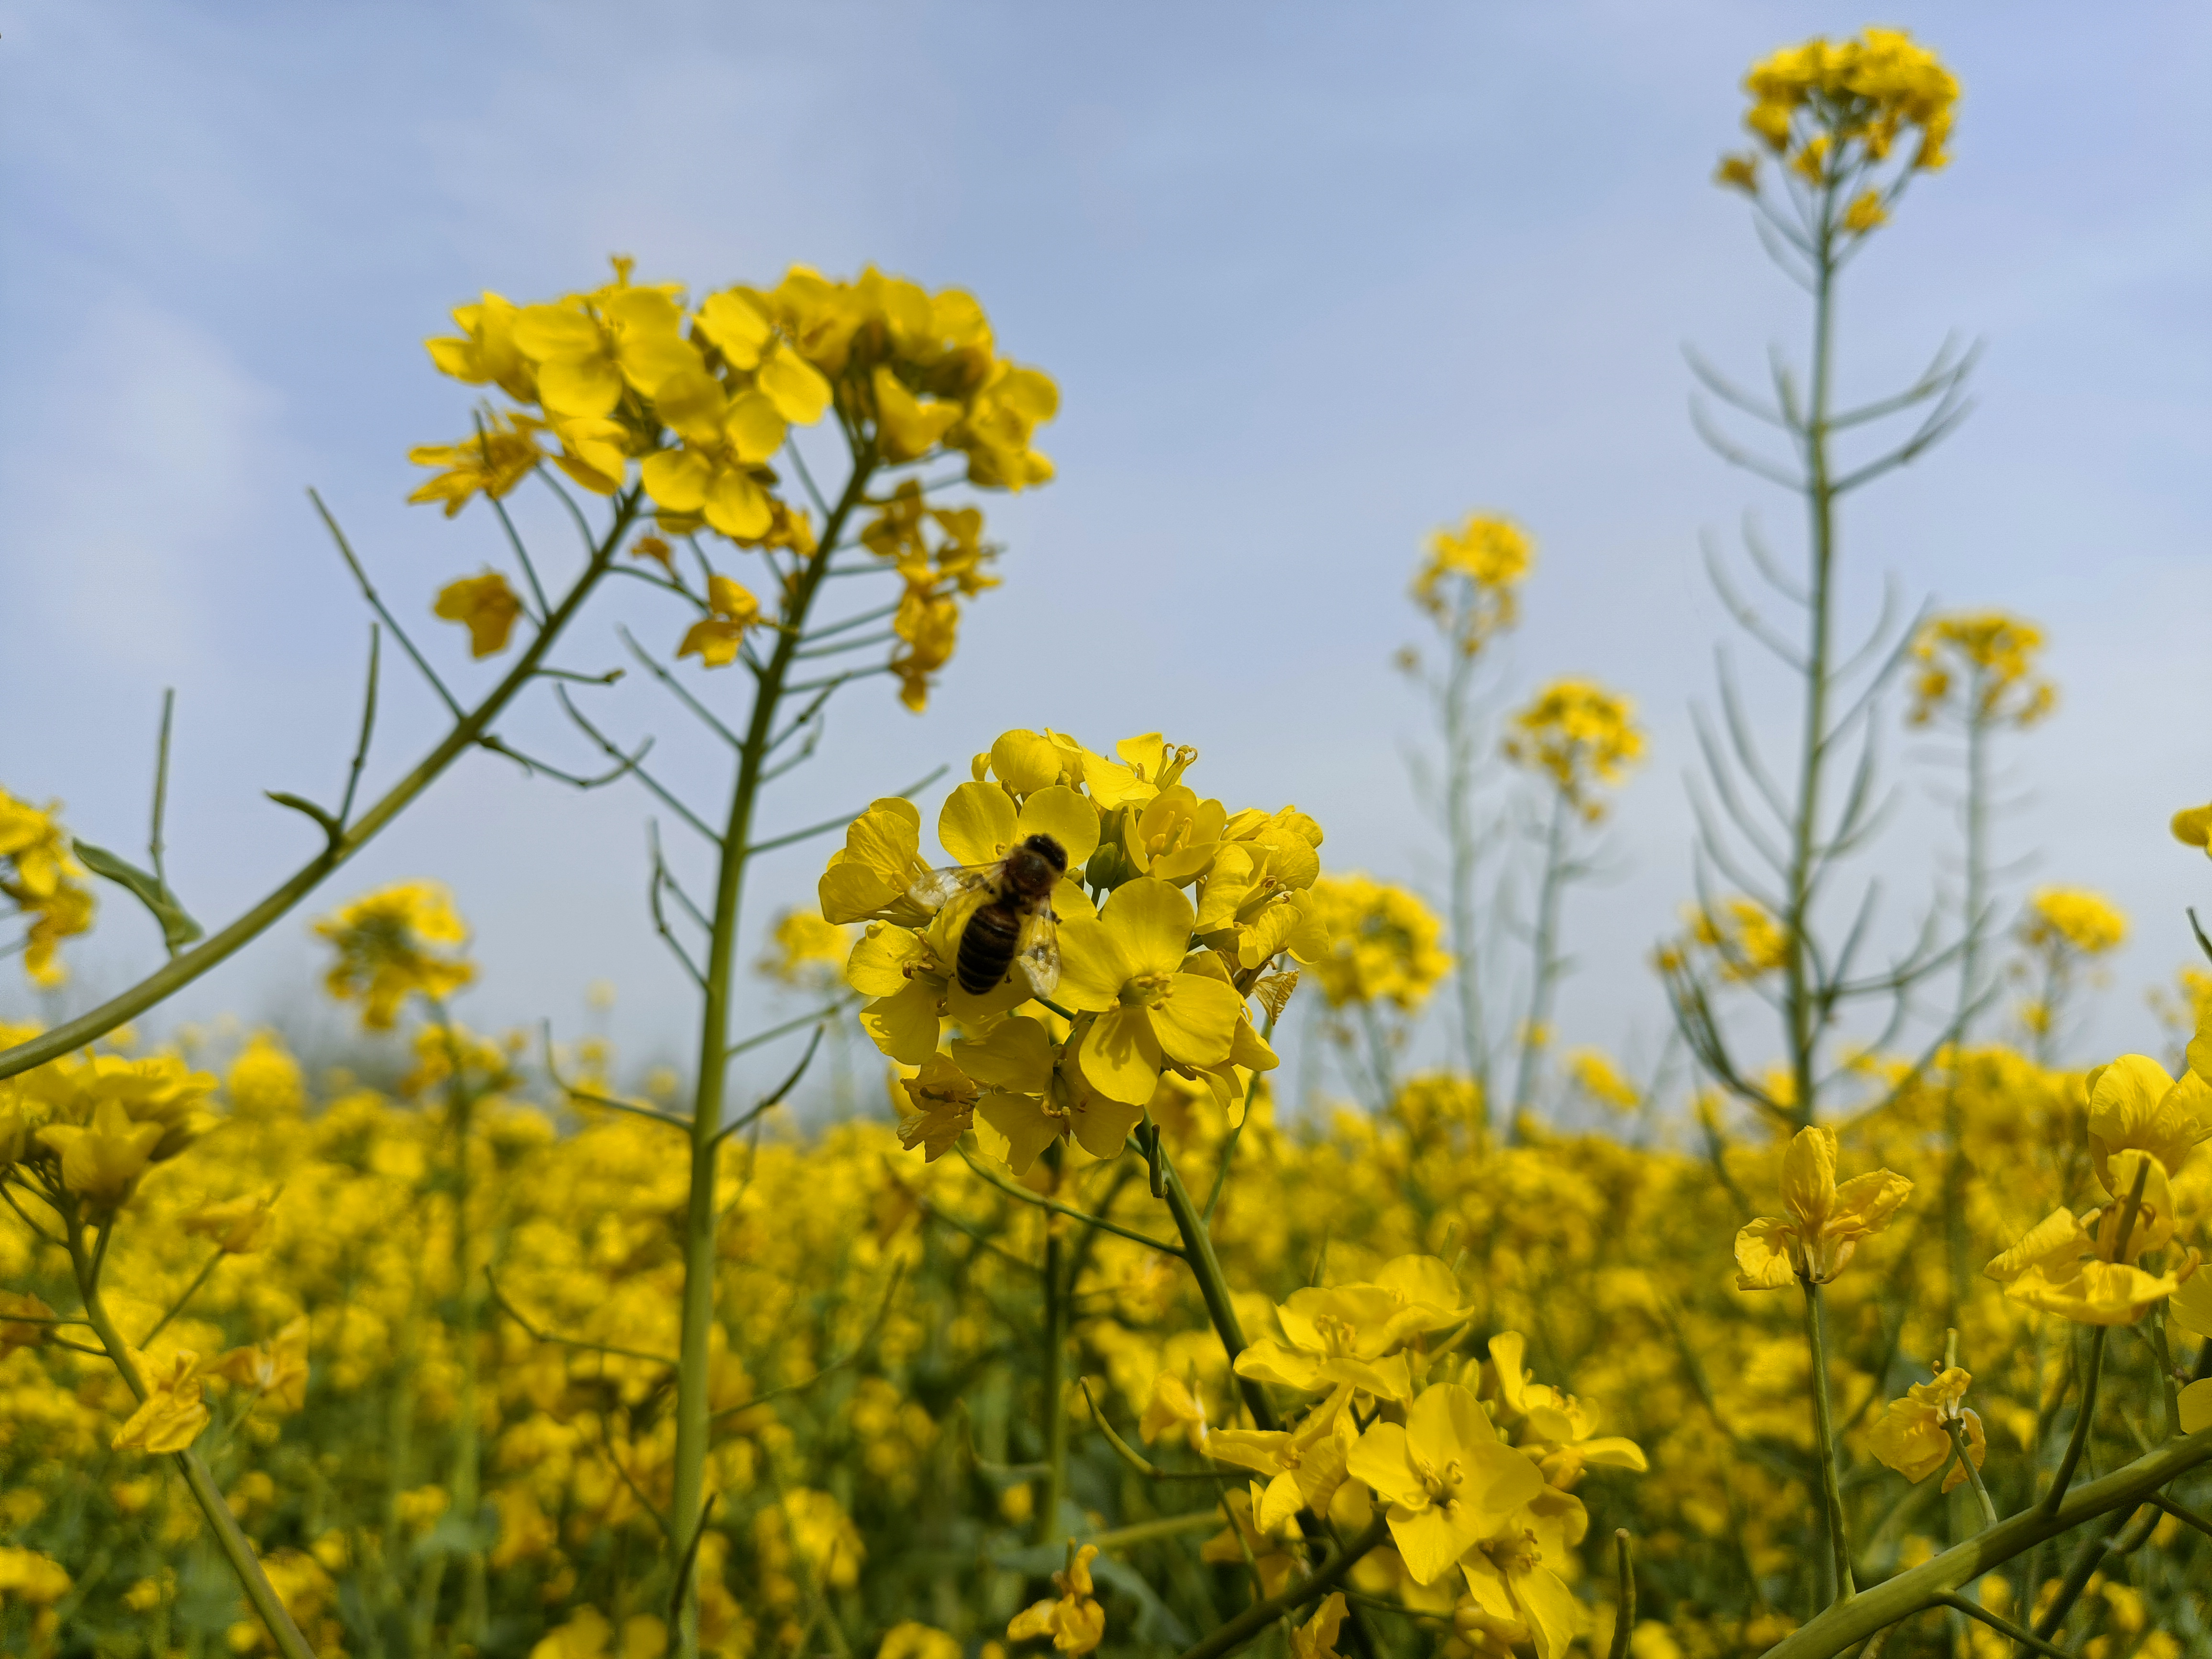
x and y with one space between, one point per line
1858 1330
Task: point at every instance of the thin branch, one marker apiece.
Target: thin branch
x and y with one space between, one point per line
178 1306
1938 426
775 1096
593 1098
786 1028
368 592
1939 378
859 621
530 763
606 746
499 1299
1747 618
840 822
1736 455
154 843
1054 1205
368 726
682 692
1261 1614
522 553
868 1336
1728 392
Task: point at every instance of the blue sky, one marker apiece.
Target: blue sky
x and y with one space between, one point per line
1312 280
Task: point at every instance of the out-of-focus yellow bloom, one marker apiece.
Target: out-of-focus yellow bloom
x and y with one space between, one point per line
1383 942
1865 212
805 945
1913 1437
275 1372
1076 1622
1826 1221
102 1161
1596 1076
25 1321
173 1413
715 638
388 949
1738 172
239 1226
1556 1429
1316 1637
2192 827
486 605
496 461
1857 98
1172 1408
1580 736
2084 1269
1746 939
43 879
1127 965
1470 579
36 1580
1448 1478
1979 667
1512 1571
2080 920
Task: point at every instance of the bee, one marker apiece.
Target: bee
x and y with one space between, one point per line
1013 923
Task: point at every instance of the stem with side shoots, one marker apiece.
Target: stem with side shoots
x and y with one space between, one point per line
1823 1429
237 1549
344 840
1848 1623
2078 1442
1543 963
687 1507
1057 1289
1800 1018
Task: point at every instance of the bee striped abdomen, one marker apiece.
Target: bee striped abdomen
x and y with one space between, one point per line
986 947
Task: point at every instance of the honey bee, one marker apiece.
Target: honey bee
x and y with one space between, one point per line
1013 923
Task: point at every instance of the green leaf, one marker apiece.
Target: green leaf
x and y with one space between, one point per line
178 929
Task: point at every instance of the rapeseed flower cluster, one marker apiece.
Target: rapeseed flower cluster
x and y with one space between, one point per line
633 386
41 878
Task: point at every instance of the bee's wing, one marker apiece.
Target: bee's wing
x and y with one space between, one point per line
1038 956
940 887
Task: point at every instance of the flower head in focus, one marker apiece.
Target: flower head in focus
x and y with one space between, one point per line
1826 1222
1447 1478
391 946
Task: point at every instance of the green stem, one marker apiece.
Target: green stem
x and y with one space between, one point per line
1800 1017
2078 1439
1055 1404
687 1504
1957 1432
1143 1532
181 971
236 1548
1261 1614
1543 964
1848 1623
1465 854
1213 1288
1824 1428
1957 1242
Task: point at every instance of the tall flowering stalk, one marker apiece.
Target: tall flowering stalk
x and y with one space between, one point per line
1843 128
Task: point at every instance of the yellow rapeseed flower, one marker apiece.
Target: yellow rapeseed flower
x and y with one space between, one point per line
41 876
1126 966
1913 1437
716 637
1826 1221
388 949
486 605
1448 1478
239 1226
1383 942
1580 736
173 1413
2082 921
1980 667
1074 1620
1513 1571
1469 579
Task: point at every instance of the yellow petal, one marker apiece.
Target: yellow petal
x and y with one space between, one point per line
1120 1056
1762 1255
977 825
796 388
1023 1120
738 507
1152 920
1063 814
2197 1407
1808 1174
677 478
1016 1056
1196 1021
904 1026
1093 966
